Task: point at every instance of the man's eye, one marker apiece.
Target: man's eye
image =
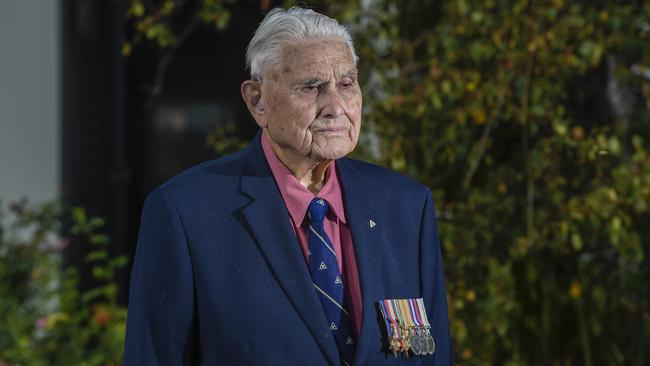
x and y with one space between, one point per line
310 88
346 83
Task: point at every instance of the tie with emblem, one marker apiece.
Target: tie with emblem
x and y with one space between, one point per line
326 278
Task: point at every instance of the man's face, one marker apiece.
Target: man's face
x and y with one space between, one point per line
312 101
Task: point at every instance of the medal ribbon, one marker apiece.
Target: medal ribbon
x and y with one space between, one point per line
392 318
416 313
393 327
431 344
406 313
407 326
418 342
395 320
402 334
423 313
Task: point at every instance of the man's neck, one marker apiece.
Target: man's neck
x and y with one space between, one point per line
310 173
314 180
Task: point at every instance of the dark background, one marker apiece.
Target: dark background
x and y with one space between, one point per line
130 123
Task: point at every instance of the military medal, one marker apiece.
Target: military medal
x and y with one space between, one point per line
431 344
407 324
390 327
416 333
407 327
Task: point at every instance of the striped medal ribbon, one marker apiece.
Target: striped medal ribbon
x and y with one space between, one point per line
406 322
417 331
407 326
430 346
392 326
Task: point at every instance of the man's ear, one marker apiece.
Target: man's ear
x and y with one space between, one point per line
251 91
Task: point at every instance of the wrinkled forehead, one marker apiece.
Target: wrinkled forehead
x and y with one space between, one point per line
316 57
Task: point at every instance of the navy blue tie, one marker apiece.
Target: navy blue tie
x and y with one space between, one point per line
326 277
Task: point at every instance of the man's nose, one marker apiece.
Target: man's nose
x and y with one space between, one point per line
332 104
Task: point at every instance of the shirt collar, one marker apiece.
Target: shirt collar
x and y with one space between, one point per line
297 197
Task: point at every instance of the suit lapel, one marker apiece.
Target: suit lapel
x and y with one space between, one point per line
366 238
267 220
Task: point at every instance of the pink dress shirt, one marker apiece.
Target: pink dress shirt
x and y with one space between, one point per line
297 198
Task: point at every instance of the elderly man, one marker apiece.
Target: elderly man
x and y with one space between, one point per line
288 253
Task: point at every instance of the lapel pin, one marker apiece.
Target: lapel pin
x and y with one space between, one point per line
371 223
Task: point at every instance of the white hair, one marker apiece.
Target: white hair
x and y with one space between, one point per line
281 26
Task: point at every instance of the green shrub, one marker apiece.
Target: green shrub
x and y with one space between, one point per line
530 122
44 318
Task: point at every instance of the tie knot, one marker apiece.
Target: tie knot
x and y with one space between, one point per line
318 209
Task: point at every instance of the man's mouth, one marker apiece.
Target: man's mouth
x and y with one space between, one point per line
331 130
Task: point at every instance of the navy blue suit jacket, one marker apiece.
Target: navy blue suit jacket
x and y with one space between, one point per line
219 277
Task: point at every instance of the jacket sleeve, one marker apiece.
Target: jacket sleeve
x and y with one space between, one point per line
433 285
161 295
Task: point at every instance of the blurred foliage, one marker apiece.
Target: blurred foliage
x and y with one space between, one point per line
166 25
225 140
168 22
530 122
44 318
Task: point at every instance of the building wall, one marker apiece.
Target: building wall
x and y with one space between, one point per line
29 100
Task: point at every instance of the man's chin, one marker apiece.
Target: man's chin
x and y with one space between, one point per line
332 153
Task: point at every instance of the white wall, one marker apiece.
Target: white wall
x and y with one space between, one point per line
30 148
